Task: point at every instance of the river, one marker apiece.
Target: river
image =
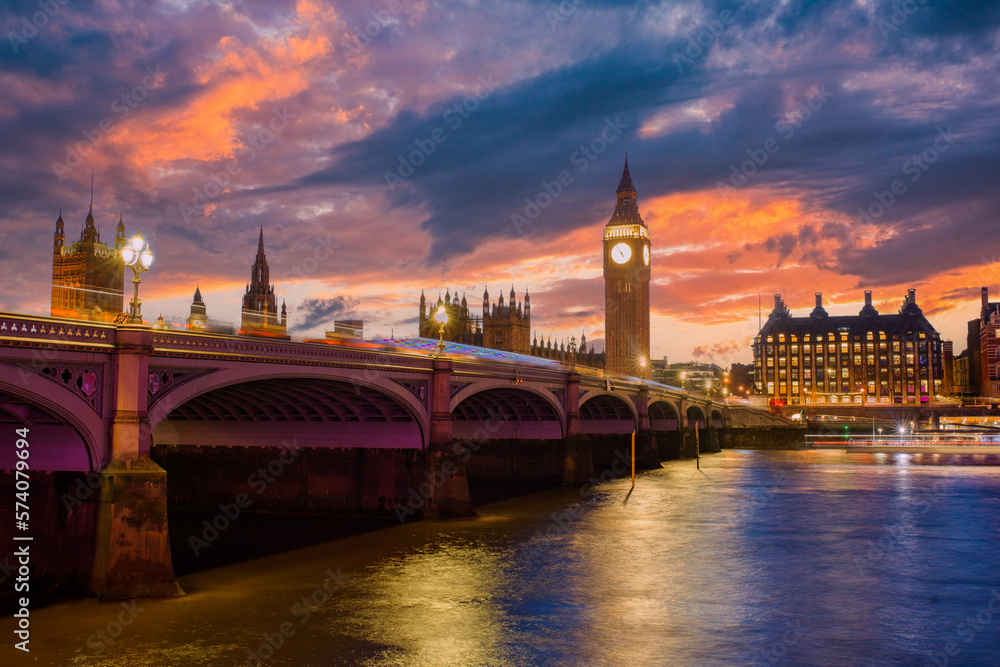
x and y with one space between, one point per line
761 557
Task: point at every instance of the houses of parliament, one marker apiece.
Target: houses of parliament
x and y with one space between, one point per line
627 271
88 279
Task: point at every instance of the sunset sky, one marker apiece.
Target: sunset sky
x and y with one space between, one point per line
387 147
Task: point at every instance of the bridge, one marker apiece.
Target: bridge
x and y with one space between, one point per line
122 419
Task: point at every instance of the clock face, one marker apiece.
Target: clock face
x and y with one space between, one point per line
645 254
621 253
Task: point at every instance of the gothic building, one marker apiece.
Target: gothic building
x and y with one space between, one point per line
503 326
260 307
461 327
562 352
626 285
199 314
88 276
507 326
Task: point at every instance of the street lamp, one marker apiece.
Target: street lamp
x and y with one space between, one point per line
572 353
139 258
441 317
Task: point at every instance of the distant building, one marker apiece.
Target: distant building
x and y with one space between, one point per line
867 358
88 276
989 344
199 316
708 379
563 351
347 329
977 369
741 379
503 326
260 306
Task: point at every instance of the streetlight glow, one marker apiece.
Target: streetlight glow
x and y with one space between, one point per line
138 257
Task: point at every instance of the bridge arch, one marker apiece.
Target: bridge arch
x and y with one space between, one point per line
716 418
663 416
323 408
502 410
696 417
607 412
66 434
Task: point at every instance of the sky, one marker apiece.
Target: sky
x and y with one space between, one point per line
784 147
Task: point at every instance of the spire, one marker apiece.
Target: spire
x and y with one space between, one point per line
625 185
626 209
197 294
260 242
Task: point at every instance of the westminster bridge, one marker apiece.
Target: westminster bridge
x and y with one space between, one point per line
120 420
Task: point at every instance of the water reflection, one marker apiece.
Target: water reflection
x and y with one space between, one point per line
798 558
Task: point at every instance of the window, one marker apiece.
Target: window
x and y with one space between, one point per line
871 359
881 335
831 348
843 348
807 373
795 349
870 347
806 349
871 386
857 359
781 338
909 358
795 361
783 361
895 346
843 374
871 335
857 348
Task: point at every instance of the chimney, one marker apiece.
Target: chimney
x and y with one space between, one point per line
911 295
985 296
819 299
868 297
777 301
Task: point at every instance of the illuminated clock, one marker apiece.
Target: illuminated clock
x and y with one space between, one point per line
621 253
645 254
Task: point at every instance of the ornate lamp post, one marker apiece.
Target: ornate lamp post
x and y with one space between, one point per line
139 258
572 353
441 317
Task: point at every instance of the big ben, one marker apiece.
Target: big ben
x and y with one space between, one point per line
626 285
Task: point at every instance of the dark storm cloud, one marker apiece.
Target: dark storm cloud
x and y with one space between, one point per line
314 312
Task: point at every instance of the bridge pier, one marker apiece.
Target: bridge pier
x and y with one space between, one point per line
132 545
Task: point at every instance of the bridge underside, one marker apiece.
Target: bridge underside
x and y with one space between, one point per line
53 444
291 412
606 414
506 414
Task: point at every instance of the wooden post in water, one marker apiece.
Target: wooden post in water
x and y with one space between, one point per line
697 446
633 459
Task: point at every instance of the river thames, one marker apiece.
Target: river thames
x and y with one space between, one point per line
761 557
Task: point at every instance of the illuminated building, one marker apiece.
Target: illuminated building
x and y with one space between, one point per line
199 315
260 307
87 276
867 358
626 285
504 326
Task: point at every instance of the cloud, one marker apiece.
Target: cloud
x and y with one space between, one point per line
316 312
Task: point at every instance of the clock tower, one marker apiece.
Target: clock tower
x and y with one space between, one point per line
626 285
